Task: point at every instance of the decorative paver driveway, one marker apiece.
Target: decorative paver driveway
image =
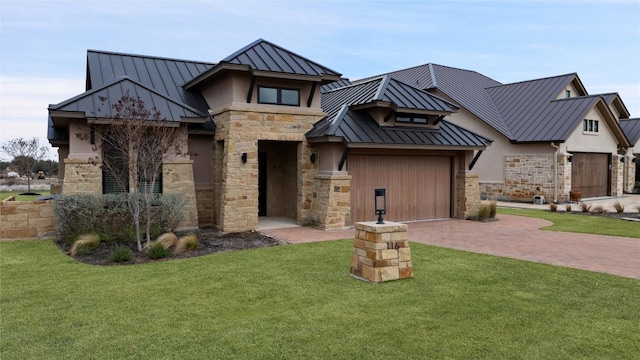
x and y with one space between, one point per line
511 236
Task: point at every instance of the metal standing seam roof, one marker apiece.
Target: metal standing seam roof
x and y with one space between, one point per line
98 103
631 129
356 126
336 84
263 55
622 109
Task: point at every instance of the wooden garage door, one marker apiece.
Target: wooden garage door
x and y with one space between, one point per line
590 174
418 187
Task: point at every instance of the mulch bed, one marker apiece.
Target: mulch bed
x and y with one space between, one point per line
210 241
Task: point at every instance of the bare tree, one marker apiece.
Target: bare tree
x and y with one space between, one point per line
134 141
26 153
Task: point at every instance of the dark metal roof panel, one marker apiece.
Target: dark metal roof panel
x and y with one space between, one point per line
418 76
56 134
631 129
163 75
336 84
403 95
265 56
99 102
524 105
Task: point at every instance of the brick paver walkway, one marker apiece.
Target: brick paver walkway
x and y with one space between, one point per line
512 236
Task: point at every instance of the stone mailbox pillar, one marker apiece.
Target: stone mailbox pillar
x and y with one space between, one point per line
381 252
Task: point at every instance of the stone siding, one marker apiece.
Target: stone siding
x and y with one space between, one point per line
241 129
527 175
204 201
331 201
630 179
617 177
177 178
26 219
82 177
467 194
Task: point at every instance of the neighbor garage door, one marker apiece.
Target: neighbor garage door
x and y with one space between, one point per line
590 174
418 187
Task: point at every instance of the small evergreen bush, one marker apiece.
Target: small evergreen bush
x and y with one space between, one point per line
155 250
186 244
121 253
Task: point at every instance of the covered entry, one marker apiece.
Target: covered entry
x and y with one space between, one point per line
419 187
590 174
277 178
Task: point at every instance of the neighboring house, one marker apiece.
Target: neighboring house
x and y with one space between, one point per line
267 132
631 128
550 136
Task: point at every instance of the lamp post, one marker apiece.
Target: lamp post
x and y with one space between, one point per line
381 204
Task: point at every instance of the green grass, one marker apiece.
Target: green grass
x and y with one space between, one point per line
6 194
299 302
580 223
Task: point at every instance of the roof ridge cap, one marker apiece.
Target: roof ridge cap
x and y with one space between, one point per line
147 56
531 80
353 85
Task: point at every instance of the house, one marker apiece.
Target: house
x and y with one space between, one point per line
267 132
550 136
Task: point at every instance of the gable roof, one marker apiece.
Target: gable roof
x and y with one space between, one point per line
631 128
262 56
614 99
98 103
358 127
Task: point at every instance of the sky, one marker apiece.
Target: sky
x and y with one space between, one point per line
43 44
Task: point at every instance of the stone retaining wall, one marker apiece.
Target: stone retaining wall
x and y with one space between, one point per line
26 219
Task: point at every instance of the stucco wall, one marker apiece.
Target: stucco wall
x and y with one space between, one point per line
601 142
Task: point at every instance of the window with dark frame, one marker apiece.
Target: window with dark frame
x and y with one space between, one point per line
413 119
567 94
115 178
590 126
278 96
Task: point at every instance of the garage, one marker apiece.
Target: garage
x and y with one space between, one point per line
590 174
418 187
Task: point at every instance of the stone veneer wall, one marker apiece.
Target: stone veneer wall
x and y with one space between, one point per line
177 178
81 177
26 219
331 201
467 194
204 201
241 129
630 180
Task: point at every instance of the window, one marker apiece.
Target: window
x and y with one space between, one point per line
278 96
567 93
415 119
590 125
115 174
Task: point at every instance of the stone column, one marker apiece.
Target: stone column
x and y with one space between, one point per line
82 177
331 201
468 194
381 252
630 179
617 177
177 178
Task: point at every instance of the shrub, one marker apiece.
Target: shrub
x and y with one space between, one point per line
186 244
485 211
168 240
568 208
127 235
84 244
170 211
155 250
584 207
598 209
619 207
493 209
75 215
121 253
553 207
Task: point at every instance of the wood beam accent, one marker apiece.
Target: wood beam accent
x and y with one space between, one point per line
311 94
475 158
345 153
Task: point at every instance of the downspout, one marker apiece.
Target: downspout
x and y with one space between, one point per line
555 172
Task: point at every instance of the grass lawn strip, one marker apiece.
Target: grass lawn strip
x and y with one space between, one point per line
586 224
6 194
299 301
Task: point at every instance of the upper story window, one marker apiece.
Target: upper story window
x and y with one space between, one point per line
567 94
413 119
278 96
590 126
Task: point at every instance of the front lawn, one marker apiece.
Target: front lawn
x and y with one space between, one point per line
299 302
587 224
6 194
